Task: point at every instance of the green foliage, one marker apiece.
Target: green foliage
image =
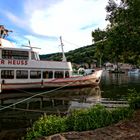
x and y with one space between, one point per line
75 120
123 33
79 120
121 114
134 99
47 125
96 117
98 35
79 56
54 56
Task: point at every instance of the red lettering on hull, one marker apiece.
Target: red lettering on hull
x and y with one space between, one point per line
14 62
2 61
9 62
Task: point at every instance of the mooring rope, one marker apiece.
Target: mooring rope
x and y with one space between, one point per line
38 94
31 110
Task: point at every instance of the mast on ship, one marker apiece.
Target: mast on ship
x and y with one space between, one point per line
63 57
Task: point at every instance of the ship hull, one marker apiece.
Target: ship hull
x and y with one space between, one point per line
74 81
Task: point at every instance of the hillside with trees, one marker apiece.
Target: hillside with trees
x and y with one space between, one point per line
80 56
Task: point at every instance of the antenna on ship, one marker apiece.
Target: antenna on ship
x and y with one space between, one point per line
29 46
64 57
29 42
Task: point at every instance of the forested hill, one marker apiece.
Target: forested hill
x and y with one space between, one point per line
79 56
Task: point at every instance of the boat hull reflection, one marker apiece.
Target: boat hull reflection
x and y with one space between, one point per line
52 102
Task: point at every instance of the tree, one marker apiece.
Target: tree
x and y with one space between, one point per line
124 30
99 37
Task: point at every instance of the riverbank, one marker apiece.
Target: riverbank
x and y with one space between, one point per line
124 130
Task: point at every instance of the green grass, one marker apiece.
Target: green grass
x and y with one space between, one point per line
134 99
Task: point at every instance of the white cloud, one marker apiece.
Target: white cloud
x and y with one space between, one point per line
15 19
68 18
47 46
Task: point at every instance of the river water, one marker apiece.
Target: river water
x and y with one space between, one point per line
116 86
113 87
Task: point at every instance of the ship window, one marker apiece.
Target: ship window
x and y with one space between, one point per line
67 74
21 74
33 56
58 74
35 74
50 74
47 74
13 54
7 74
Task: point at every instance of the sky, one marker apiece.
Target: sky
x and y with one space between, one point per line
44 21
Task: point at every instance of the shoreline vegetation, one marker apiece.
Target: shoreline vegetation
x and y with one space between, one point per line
83 120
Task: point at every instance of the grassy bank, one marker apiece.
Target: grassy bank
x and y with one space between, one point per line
79 120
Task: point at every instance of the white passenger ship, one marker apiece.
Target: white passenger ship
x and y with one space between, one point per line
21 68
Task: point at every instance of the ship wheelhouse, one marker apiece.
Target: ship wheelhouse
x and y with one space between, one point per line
22 64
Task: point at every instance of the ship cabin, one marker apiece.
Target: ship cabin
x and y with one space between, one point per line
24 65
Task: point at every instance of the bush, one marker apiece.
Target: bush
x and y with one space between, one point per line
100 116
79 120
121 114
47 125
134 99
95 117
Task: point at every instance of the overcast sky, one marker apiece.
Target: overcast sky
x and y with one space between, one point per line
44 21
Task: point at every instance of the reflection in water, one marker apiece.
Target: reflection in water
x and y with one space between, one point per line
115 86
57 102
